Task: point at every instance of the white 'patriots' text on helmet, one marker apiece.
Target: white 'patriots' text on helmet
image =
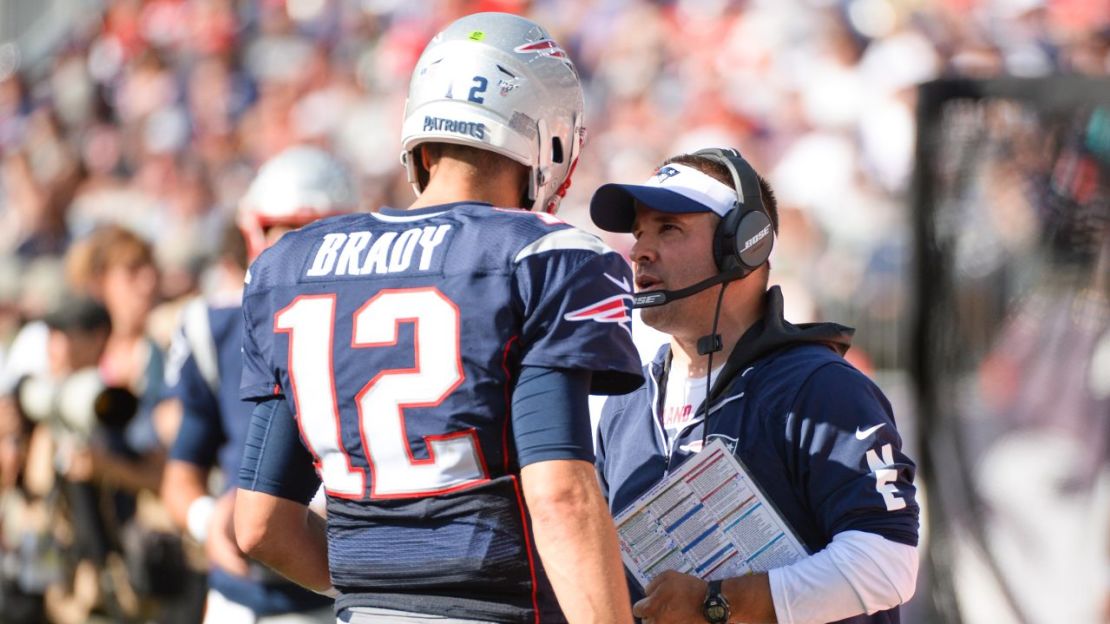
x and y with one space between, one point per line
498 82
296 187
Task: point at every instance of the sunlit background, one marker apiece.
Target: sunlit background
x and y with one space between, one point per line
973 260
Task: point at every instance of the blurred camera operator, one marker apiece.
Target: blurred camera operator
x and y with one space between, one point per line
81 421
25 571
89 369
116 267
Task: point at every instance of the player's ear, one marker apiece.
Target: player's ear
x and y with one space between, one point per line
525 196
425 156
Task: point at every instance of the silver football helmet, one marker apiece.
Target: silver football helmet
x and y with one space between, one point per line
498 82
294 188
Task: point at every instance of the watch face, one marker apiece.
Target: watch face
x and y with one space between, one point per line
715 612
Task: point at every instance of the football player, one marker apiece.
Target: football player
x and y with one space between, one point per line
294 188
438 360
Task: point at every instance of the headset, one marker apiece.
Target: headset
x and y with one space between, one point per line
745 236
742 243
743 239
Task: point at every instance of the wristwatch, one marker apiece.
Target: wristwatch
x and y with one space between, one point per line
715 608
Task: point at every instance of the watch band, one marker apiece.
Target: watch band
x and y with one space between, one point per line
715 609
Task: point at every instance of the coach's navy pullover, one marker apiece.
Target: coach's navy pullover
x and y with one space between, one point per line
791 409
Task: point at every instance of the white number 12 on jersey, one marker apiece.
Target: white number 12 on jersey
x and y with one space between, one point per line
454 458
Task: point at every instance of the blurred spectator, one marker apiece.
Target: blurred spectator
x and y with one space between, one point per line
59 403
117 267
88 534
154 114
25 569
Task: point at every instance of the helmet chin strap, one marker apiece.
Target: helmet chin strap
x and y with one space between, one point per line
560 194
553 205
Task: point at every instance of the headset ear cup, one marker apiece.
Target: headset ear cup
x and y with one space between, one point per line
744 237
724 242
753 239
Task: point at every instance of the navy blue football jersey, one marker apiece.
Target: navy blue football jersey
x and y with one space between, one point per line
397 338
215 418
213 432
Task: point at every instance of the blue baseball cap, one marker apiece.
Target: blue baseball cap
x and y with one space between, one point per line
673 188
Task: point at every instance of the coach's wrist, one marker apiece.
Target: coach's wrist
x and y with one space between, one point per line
749 599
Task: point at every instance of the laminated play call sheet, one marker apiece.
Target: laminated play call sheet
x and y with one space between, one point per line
707 519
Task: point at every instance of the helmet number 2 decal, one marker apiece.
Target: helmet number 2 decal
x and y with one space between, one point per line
475 95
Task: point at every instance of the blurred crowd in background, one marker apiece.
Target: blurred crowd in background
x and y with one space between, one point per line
154 114
130 129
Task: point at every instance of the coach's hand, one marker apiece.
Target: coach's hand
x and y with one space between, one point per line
672 598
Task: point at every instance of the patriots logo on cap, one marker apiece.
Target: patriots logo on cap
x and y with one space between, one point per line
615 309
665 172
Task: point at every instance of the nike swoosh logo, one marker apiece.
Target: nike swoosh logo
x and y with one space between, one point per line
622 283
866 433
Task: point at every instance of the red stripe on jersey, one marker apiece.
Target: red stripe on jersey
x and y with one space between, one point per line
528 546
508 402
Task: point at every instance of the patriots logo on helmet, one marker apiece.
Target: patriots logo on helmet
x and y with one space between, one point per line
665 172
546 47
615 309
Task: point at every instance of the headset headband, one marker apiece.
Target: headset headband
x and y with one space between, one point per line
739 169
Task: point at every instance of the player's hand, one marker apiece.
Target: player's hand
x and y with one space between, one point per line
672 598
220 547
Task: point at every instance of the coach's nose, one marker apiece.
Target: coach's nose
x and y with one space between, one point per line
643 251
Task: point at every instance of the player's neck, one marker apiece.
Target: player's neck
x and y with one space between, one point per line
446 186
